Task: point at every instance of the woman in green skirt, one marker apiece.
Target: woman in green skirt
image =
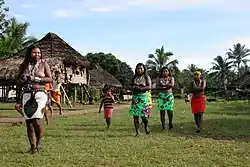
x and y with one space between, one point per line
165 101
140 107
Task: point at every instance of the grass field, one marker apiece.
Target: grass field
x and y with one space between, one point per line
83 140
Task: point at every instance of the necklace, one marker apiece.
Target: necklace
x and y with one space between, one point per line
197 86
139 79
33 68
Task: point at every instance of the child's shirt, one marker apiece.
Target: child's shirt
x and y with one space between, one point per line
108 100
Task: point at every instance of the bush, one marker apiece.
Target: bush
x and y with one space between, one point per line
95 93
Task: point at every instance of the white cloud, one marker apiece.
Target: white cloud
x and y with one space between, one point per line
67 13
77 8
170 4
104 9
28 6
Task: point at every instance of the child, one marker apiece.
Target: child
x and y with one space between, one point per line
108 100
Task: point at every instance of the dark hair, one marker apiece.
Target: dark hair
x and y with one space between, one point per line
136 74
27 59
165 68
144 67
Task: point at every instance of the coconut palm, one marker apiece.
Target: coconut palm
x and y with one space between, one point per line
220 70
160 60
14 38
239 55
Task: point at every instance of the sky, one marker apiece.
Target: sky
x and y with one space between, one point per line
196 31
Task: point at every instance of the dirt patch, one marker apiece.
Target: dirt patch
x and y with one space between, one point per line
19 120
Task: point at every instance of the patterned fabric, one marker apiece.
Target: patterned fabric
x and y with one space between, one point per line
165 101
140 105
33 104
150 100
108 100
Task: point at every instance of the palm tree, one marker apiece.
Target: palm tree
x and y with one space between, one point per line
221 68
238 54
160 60
244 69
192 68
14 38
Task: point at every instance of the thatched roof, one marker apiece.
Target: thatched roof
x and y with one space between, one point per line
242 82
99 77
54 49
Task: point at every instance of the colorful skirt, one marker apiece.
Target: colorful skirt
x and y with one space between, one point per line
108 112
165 101
33 104
150 100
56 97
140 105
198 104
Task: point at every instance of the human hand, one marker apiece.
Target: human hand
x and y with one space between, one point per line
32 78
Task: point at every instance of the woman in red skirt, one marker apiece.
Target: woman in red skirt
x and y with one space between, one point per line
198 101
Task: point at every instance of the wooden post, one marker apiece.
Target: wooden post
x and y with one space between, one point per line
81 94
4 93
63 96
75 95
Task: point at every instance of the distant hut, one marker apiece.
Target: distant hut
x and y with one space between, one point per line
240 87
59 55
99 77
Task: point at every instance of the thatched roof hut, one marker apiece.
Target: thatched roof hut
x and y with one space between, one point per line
242 82
56 51
100 77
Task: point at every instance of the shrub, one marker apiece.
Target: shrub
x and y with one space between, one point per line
95 93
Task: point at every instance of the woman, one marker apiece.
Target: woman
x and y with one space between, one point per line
165 101
141 83
34 74
198 100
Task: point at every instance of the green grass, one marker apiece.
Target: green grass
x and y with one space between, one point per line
84 141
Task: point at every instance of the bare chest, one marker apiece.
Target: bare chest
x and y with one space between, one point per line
140 81
36 70
164 81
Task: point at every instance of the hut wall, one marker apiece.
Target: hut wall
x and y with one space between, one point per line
77 76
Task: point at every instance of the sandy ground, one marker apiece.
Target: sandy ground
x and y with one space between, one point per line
19 120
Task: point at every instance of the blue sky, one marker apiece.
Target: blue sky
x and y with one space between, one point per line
196 31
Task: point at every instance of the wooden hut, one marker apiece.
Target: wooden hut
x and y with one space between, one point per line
99 77
240 87
59 55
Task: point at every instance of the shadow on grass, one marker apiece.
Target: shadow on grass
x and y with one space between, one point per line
84 125
218 129
232 110
111 134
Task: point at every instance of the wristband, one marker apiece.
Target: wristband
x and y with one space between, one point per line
38 79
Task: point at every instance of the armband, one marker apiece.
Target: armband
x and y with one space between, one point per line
38 79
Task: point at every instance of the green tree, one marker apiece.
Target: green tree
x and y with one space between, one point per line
14 38
120 70
159 60
220 70
239 55
4 22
